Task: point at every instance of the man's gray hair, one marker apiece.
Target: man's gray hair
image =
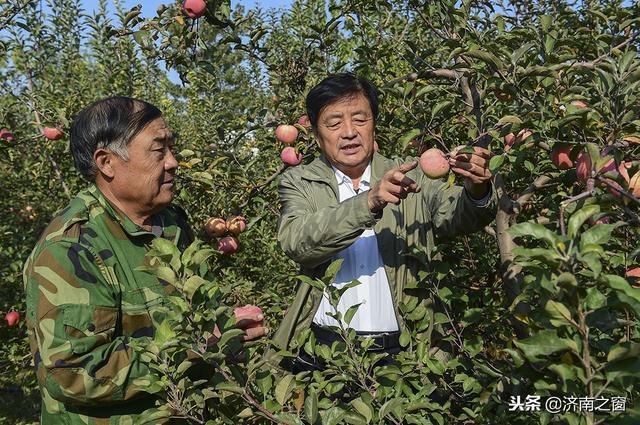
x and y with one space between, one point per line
111 124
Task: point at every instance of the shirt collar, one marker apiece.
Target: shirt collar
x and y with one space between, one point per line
343 178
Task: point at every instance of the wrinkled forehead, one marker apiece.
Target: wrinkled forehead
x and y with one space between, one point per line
352 103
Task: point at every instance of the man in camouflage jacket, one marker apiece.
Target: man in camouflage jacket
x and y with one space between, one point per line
87 302
393 198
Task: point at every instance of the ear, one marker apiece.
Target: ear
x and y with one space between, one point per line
104 160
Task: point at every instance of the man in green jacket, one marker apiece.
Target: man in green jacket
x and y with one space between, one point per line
353 204
87 301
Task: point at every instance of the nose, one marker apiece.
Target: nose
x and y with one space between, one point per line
348 129
170 162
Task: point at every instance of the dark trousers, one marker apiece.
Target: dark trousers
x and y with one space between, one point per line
307 363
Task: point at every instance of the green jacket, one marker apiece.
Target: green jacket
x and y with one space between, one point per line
314 226
86 302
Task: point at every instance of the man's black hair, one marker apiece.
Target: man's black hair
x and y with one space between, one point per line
110 123
336 87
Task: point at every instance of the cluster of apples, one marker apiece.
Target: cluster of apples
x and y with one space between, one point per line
50 133
586 168
288 134
12 318
217 227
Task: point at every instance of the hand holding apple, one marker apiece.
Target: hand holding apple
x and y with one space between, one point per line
474 167
250 319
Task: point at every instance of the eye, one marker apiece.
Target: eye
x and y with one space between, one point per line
333 124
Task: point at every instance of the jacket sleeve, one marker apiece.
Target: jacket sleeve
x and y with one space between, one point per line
309 236
80 357
452 210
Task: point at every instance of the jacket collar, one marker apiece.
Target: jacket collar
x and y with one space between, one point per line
127 224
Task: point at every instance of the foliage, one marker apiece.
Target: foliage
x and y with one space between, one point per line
554 315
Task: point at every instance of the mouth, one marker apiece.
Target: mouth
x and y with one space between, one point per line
350 148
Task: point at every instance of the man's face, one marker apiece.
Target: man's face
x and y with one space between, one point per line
345 134
144 183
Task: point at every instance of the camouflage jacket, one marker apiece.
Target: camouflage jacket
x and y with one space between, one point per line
86 302
314 226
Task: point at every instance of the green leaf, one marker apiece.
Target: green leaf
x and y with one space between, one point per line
558 312
509 119
231 387
311 407
351 311
579 217
405 339
389 406
496 162
620 284
332 270
489 58
164 333
544 343
363 408
534 230
597 235
408 137
228 335
288 419
284 388
192 284
545 23
624 350
441 106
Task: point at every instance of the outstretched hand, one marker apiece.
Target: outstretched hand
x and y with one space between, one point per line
392 187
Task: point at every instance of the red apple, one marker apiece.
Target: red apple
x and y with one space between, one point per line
286 133
634 185
583 166
608 167
290 157
5 134
622 169
560 157
510 140
580 104
237 225
228 245
52 133
434 164
215 227
633 275
12 318
602 220
304 121
248 310
194 8
611 186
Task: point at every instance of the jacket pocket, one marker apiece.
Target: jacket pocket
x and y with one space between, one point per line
88 326
140 319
